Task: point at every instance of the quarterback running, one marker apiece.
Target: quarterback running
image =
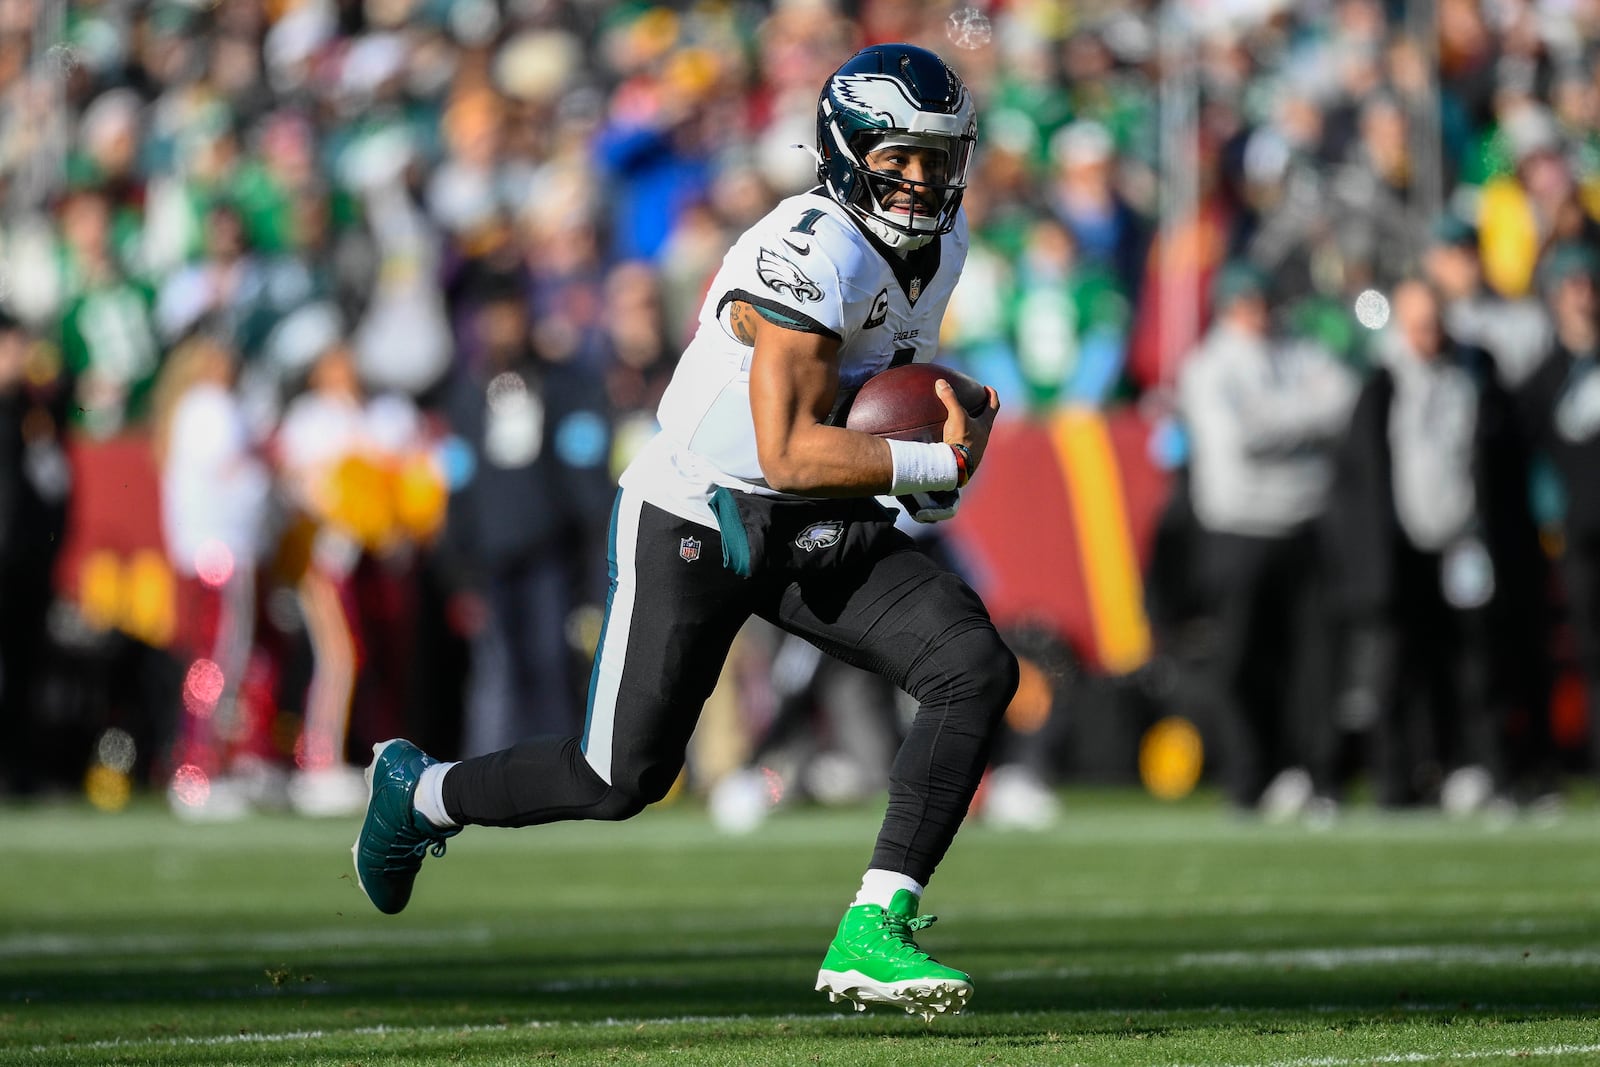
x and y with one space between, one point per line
754 499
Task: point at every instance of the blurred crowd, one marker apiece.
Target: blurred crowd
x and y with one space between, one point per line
391 288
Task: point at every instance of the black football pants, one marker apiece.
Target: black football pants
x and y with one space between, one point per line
671 617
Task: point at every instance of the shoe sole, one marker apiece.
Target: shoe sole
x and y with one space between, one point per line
355 849
918 996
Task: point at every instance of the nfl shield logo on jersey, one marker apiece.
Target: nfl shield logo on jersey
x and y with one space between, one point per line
689 549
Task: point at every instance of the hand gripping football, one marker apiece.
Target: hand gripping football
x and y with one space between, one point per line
900 402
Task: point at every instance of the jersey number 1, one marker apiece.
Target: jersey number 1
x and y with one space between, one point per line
807 222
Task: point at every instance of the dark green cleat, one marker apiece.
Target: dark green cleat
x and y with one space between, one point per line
394 837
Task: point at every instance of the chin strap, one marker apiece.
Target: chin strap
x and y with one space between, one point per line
898 240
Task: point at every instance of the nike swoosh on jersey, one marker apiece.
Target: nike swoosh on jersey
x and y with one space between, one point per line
803 250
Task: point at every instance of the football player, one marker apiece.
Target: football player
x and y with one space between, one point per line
754 499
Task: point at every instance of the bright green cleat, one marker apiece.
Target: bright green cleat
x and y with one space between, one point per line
394 837
873 960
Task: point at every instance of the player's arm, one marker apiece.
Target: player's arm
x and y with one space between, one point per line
794 380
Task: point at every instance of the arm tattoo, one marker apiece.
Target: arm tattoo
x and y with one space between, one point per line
742 319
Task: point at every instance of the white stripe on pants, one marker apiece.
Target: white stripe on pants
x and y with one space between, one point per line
613 652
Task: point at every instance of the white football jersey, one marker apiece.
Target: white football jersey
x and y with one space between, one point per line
807 263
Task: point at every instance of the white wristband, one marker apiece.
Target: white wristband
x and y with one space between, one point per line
922 468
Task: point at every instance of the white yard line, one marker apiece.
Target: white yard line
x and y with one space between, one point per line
1419 1057
1330 959
166 944
268 1038
219 1040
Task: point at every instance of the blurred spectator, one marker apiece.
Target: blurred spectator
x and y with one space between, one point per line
1378 235
1181 264
529 504
473 184
640 359
977 331
565 253
108 339
34 483
655 153
194 129
1534 208
402 342
107 160
1006 197
1515 332
1429 534
1263 414
1562 404
689 257
1071 322
234 293
274 182
1028 89
1084 196
214 508
1284 190
338 453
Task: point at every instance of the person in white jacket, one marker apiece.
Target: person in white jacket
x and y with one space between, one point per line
1263 415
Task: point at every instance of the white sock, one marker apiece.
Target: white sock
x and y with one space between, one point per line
879 887
429 797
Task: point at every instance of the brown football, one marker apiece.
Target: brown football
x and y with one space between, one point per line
900 402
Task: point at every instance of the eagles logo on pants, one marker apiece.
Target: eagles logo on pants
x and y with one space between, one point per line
820 535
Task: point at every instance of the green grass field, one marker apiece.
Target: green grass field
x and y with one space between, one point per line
1135 933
